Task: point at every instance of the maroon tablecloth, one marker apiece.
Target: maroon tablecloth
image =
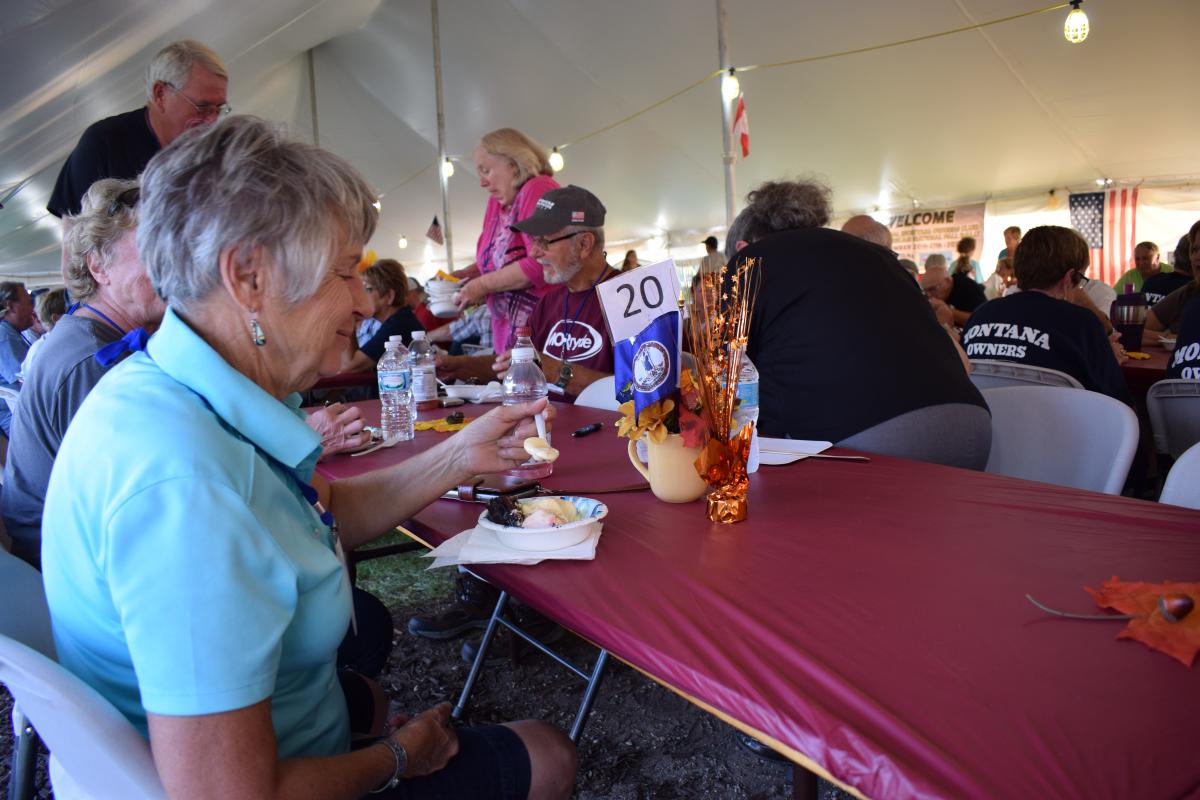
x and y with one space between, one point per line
1141 375
872 616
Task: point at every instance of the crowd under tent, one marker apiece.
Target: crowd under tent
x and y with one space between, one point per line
873 98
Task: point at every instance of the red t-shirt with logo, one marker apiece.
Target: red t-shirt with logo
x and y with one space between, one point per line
570 326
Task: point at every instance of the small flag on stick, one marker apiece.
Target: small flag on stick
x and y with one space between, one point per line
435 232
741 126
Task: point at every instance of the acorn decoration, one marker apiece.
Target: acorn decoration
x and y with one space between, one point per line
1174 607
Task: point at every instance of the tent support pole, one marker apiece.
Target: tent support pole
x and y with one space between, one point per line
441 130
312 97
726 133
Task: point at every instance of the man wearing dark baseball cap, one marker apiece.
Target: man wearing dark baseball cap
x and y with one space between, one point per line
713 259
562 208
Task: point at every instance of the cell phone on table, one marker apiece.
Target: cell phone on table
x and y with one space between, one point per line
483 488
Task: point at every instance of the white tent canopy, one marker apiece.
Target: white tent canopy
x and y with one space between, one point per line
1007 111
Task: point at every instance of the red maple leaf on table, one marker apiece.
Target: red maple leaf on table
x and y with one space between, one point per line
1180 640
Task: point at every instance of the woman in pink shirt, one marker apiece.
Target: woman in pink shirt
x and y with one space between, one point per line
515 171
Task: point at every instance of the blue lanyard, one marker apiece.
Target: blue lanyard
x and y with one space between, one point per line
135 341
76 306
570 322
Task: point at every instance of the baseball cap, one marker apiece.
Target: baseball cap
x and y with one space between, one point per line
558 208
711 242
414 285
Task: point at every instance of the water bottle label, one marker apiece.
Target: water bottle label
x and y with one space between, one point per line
748 393
394 380
424 383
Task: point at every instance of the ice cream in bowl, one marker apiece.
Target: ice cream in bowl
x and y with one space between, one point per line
543 523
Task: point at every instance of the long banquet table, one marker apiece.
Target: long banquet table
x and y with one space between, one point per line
869 619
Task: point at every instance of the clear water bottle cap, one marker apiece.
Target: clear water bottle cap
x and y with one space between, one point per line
396 338
522 354
418 335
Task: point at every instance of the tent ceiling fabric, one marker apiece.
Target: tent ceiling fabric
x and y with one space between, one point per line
1007 109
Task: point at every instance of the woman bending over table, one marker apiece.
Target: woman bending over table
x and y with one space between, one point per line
192 566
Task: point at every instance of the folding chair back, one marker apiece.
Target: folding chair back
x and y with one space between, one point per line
1174 408
992 374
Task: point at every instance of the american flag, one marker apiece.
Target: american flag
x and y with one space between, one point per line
435 232
1108 221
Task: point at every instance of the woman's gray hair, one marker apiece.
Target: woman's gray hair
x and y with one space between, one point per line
173 64
242 183
778 206
95 231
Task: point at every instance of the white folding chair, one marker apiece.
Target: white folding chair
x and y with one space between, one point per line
25 617
1182 486
1174 408
992 374
599 394
94 751
1068 437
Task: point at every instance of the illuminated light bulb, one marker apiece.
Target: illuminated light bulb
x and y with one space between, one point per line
730 86
448 168
403 243
556 161
378 206
1075 29
1100 181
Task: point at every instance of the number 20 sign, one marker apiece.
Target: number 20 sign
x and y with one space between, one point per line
634 299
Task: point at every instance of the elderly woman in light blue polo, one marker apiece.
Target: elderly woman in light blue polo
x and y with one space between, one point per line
192 557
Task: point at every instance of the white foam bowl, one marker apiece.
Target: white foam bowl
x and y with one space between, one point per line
438 288
442 308
592 511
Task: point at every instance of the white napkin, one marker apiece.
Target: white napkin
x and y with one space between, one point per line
480 546
785 451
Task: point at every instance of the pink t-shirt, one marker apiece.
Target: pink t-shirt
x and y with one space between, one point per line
499 246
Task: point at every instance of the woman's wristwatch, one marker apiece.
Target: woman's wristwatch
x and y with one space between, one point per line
401 763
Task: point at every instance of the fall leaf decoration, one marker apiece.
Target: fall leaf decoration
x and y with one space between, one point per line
368 259
442 425
652 422
1161 616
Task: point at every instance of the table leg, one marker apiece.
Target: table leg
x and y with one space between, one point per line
589 694
804 784
481 656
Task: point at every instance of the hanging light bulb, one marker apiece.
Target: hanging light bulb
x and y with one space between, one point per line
378 206
730 86
556 160
1076 27
403 243
448 168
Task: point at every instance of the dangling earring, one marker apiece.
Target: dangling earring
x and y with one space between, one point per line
256 333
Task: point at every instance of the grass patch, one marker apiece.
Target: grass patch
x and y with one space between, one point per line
402 580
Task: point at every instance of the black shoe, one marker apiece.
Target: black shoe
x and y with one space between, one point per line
759 749
472 607
508 647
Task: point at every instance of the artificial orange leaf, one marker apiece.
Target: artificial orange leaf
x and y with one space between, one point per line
441 425
1180 640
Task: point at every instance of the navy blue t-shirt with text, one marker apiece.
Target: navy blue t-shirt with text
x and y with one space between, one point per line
1184 362
1036 329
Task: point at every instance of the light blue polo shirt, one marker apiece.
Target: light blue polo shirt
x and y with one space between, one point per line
185 571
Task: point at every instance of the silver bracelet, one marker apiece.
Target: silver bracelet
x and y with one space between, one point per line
401 758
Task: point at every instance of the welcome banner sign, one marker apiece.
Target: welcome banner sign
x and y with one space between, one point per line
920 232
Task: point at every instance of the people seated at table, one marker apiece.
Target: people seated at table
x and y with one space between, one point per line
1157 287
1166 314
192 575
912 269
1184 362
566 235
49 307
846 350
387 287
1145 266
866 228
16 316
472 327
1038 325
959 292
964 264
999 280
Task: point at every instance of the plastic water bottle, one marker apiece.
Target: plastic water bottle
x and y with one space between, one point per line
746 412
523 383
397 410
424 372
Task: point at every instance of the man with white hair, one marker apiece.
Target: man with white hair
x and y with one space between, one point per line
185 87
961 294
